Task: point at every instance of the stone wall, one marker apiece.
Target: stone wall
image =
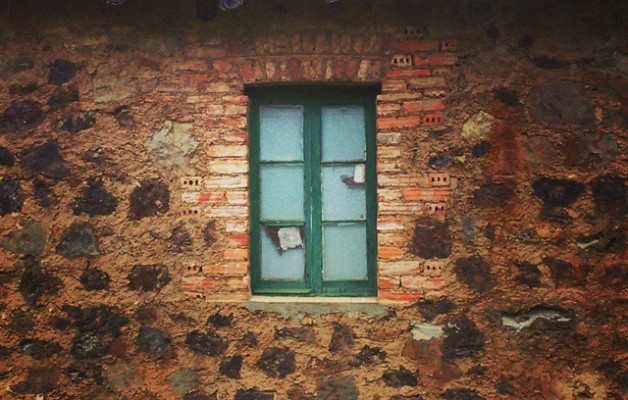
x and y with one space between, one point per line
501 195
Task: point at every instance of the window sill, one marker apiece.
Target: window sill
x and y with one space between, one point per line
299 307
313 299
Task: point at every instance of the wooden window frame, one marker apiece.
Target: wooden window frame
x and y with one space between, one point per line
312 98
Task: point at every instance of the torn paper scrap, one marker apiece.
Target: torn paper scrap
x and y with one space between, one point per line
289 238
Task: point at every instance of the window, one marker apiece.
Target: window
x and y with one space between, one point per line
313 191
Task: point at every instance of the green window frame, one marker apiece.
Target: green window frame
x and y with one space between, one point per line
312 99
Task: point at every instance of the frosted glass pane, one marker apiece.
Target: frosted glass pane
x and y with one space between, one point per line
282 192
344 195
281 262
344 252
281 133
343 133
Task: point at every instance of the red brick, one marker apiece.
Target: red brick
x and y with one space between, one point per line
428 82
388 283
436 59
396 123
399 297
416 194
222 151
418 45
408 73
389 85
192 65
221 65
211 197
399 268
389 224
238 240
423 105
246 71
233 268
389 253
236 254
449 45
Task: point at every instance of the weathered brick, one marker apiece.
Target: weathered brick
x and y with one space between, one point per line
423 105
392 86
422 283
418 45
227 151
389 283
389 194
408 73
232 109
449 45
389 224
428 82
387 108
389 152
232 268
236 137
236 254
432 194
237 240
399 268
218 87
205 52
388 166
237 197
402 180
388 137
390 253
221 65
214 109
436 59
221 181
227 212
391 97
191 65
391 239
228 167
237 225
236 99
400 209
400 297
399 122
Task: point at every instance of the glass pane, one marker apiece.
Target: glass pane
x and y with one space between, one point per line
281 133
344 252
344 137
283 256
344 195
282 192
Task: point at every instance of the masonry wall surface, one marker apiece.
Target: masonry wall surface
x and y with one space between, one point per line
501 130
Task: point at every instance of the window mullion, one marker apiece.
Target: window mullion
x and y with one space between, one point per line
314 123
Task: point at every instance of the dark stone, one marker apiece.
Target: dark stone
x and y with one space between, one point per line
6 158
526 42
146 315
439 162
506 96
199 395
36 283
253 394
529 274
431 308
78 241
492 194
100 319
400 397
557 192
61 71
22 90
503 386
431 239
399 378
463 340
181 239
209 234
615 276
461 394
95 279
338 388
546 62
28 240
39 349
79 372
302 334
477 371
39 380
45 198
230 367
149 199
489 232
342 338
61 98
474 272
5 352
561 103
95 200
10 196
249 339
45 160
606 241
77 121
609 194
89 346
124 117
95 157
147 278
480 149
21 116
562 272
154 342
492 32
277 362
206 343
368 356
556 215
22 322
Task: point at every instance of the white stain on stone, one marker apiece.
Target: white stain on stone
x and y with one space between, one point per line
426 331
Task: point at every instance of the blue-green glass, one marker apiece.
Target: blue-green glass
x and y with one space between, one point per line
343 133
343 198
282 192
281 133
281 264
344 251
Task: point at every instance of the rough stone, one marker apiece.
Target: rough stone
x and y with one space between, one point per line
503 386
525 319
342 338
36 283
478 126
154 342
183 380
122 375
22 322
10 196
546 62
45 160
61 71
80 372
560 103
28 239
529 274
100 319
400 397
181 239
603 242
209 234
463 340
77 121
368 356
302 334
614 276
22 90
439 162
230 367
94 279
78 241
338 388
206 343
426 332
124 117
199 395
173 147
481 149
43 195
148 278
557 192
62 97
469 229
430 309
89 346
609 194
149 199
461 394
507 96
493 194
563 273
6 158
277 362
21 116
474 272
400 377
95 200
254 394
431 239
39 349
39 380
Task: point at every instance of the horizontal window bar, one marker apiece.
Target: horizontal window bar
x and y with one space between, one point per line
282 223
343 162
294 162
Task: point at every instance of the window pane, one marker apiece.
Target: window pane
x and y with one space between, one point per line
283 257
282 192
344 195
344 252
343 135
281 133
